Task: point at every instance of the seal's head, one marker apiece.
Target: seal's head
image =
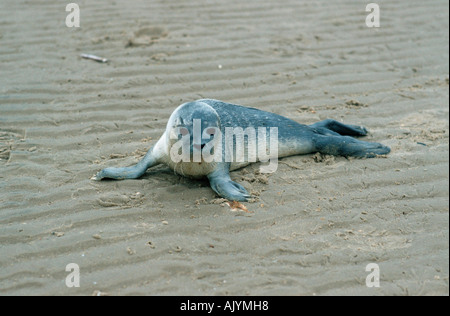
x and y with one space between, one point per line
192 132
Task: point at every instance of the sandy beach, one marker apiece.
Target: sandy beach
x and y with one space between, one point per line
315 224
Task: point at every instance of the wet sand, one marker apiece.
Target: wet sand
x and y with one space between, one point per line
316 223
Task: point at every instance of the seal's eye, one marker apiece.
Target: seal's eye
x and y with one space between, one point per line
211 131
184 131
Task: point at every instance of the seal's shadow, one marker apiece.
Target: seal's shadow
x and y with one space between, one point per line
164 174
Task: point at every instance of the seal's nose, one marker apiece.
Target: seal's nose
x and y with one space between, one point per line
199 147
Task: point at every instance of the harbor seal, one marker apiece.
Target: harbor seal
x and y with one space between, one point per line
197 129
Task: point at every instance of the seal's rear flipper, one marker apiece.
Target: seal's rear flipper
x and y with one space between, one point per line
348 147
340 128
222 184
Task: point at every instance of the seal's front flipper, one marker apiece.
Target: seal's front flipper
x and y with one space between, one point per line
349 147
222 184
229 190
340 128
120 173
151 159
